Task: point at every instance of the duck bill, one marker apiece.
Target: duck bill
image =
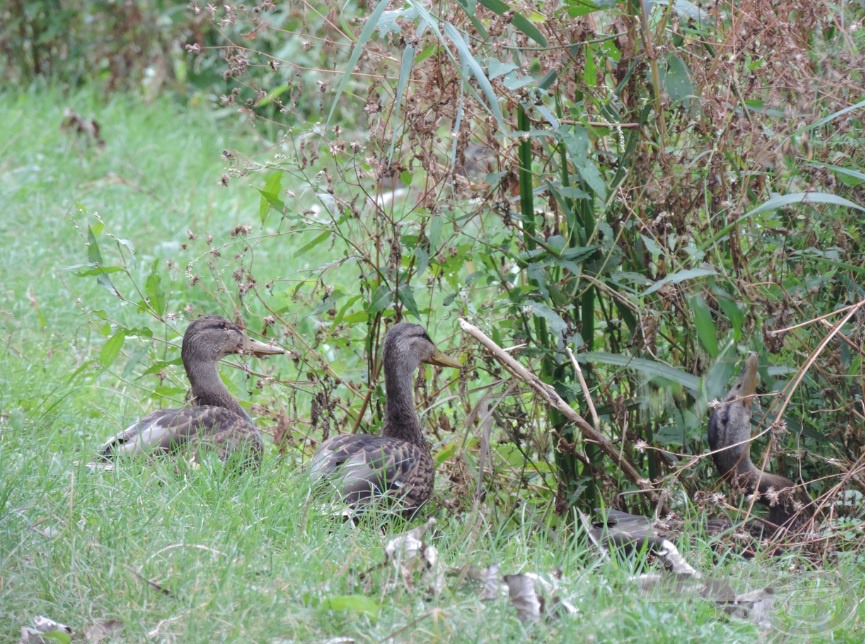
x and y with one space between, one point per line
441 360
746 384
259 349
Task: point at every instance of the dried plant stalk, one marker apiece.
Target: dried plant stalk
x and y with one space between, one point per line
552 398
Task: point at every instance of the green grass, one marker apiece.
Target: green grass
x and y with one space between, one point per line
244 556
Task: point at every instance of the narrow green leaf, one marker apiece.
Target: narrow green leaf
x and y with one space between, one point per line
647 367
404 74
706 330
541 310
407 299
61 637
365 34
446 452
832 117
780 201
275 202
270 195
676 79
379 300
578 8
159 365
111 349
168 391
517 20
477 71
345 307
840 170
681 276
153 290
84 367
90 270
421 260
94 256
592 176
436 224
731 309
313 243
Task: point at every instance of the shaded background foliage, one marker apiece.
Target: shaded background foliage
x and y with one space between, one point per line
654 186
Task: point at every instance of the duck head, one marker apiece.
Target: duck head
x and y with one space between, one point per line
407 342
212 337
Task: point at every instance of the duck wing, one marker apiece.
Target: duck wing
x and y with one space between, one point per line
169 429
362 467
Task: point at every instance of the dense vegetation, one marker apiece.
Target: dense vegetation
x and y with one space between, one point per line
655 188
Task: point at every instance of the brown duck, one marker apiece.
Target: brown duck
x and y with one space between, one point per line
729 439
398 464
213 418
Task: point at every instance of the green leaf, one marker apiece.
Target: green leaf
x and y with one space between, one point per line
379 300
84 367
407 298
94 256
111 348
272 95
590 69
421 260
498 68
649 368
404 74
519 21
312 244
270 195
578 8
436 224
676 79
847 172
557 324
365 34
159 365
780 201
477 71
592 176
153 290
681 276
704 324
446 452
90 270
832 117
731 309
352 604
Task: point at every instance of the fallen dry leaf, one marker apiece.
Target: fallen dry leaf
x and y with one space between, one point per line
524 596
409 556
103 630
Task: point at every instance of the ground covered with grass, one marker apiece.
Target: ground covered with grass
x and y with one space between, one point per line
166 551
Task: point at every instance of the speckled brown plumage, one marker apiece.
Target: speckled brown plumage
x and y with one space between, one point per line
214 420
398 464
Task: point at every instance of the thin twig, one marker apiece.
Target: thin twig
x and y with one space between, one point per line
161 589
553 399
585 388
817 319
794 384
